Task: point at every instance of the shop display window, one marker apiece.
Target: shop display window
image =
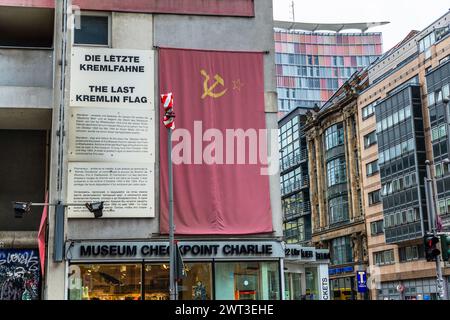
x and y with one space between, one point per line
105 282
247 281
312 292
156 281
197 285
293 286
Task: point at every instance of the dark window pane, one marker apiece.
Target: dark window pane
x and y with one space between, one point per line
94 30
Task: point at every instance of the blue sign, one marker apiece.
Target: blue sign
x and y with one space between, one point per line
362 281
340 270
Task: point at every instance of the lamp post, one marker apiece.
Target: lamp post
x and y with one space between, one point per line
430 189
168 121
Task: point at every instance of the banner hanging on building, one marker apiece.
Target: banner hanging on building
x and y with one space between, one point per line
219 144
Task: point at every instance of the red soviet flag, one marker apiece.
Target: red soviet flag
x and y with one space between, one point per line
215 191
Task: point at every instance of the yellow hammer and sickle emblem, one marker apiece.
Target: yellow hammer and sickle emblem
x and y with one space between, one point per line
209 91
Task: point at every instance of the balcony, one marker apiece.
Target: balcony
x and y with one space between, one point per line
294 160
26 79
296 209
296 186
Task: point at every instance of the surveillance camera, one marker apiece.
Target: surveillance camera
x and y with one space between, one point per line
20 208
96 208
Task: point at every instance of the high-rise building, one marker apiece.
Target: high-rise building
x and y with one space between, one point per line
403 122
311 66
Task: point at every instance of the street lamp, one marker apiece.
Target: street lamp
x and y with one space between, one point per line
430 190
21 208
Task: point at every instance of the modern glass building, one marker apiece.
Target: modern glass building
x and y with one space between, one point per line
294 178
438 87
401 159
405 106
311 66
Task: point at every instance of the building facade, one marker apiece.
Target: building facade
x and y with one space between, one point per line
123 255
294 176
311 66
336 204
401 119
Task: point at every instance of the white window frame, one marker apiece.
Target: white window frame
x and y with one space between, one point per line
95 14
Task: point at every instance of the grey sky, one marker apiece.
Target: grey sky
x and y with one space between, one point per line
404 15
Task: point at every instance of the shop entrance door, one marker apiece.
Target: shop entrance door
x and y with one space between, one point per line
246 287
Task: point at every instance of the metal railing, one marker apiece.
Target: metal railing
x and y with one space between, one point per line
297 185
294 160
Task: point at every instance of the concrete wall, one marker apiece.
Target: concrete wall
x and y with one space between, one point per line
26 78
26 68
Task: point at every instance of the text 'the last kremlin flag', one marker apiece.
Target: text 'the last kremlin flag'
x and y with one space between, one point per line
216 190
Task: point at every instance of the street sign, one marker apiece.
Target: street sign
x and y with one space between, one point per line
362 281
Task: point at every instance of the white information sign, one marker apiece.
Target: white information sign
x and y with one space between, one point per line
111 135
104 77
127 190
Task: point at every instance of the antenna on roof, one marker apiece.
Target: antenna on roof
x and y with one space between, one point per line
292 7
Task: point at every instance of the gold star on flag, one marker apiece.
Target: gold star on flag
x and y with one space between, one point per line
237 85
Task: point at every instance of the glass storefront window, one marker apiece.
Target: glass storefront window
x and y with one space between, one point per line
247 281
156 281
312 292
233 281
196 286
342 289
198 282
105 282
292 286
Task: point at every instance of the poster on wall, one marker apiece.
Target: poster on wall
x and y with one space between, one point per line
111 147
127 190
111 135
20 276
218 144
104 77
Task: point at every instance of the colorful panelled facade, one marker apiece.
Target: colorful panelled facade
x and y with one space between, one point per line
310 67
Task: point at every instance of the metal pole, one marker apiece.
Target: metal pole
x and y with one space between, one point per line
432 227
173 291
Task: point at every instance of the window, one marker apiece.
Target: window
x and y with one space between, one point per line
438 132
334 136
377 227
372 168
441 169
94 30
294 231
370 139
374 197
369 110
341 251
426 43
108 282
411 253
431 99
338 209
247 281
384 257
446 91
336 171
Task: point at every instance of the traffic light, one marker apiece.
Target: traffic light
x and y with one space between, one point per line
431 250
445 246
